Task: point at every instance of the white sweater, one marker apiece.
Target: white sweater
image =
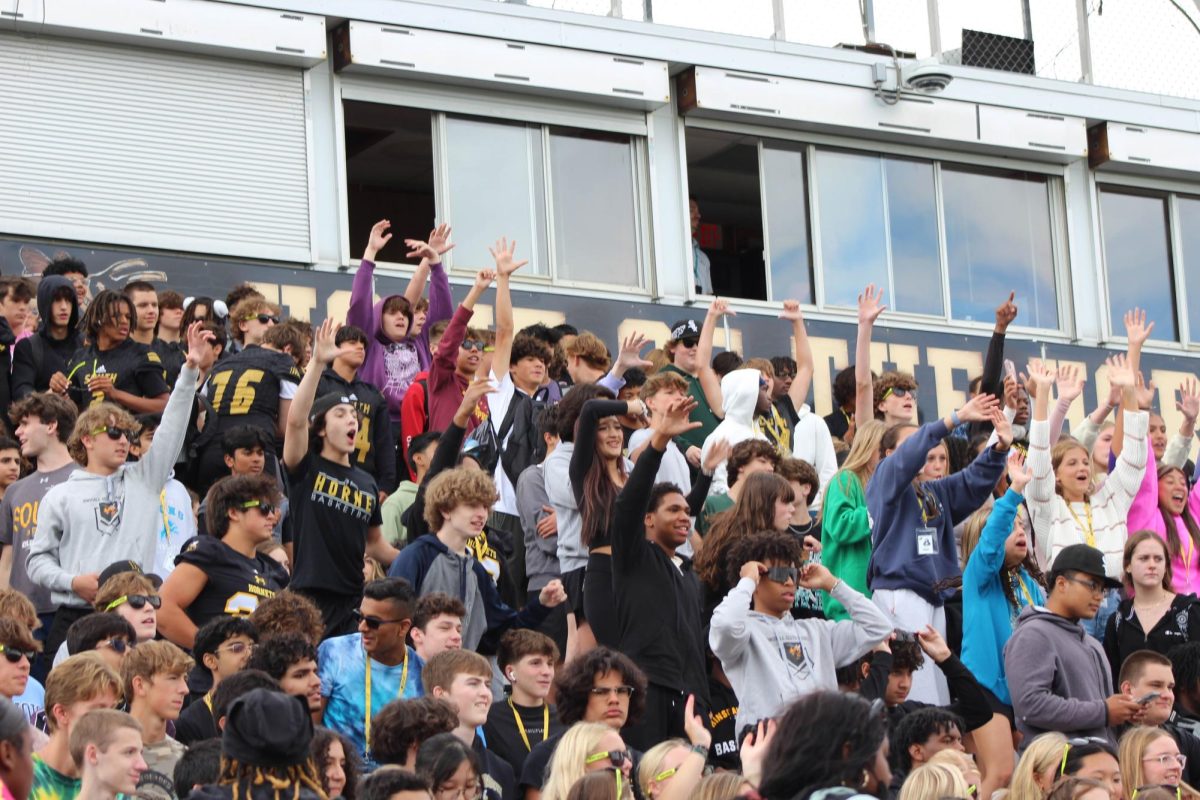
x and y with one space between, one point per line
1054 525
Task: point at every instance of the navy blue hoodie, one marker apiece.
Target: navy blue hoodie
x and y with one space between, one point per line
894 505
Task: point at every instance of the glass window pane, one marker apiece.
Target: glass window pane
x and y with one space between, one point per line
787 224
1189 233
595 208
998 241
916 252
495 182
853 242
1137 256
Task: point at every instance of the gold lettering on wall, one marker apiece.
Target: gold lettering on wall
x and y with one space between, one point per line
945 363
829 356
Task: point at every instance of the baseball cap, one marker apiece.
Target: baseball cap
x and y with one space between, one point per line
330 400
118 567
1086 559
684 329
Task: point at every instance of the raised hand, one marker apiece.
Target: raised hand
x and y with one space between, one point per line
1041 376
695 728
791 311
378 238
1011 390
870 305
1119 372
504 254
1006 313
552 594
325 348
477 389
816 576
753 570
717 455
674 420
629 356
1189 400
1136 328
720 308
1069 382
1019 473
484 278
933 644
199 343
1004 431
439 239
978 408
1142 392
754 750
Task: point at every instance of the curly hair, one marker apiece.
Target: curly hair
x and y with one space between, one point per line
246 309
276 654
526 346
795 470
573 686
323 739
754 511
745 452
47 407
248 780
886 383
289 612
94 418
765 547
403 724
454 488
907 655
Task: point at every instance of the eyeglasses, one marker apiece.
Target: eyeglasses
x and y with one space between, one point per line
605 691
472 791
616 757
1166 758
264 319
783 574
1096 588
137 601
14 655
237 648
118 646
1079 742
265 508
373 623
114 433
690 342
474 344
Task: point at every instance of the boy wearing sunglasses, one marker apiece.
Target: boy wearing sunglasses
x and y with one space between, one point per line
223 573
155 679
109 509
770 658
18 649
135 597
364 671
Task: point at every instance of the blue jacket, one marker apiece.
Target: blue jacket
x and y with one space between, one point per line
429 566
893 503
987 615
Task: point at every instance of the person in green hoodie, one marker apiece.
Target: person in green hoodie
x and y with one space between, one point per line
420 454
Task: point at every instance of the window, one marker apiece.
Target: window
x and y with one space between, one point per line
571 198
786 194
1137 259
998 240
1189 236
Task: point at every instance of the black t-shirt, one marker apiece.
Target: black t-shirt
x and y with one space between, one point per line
533 772
499 781
367 402
196 724
504 737
722 721
172 356
133 368
333 506
245 388
235 584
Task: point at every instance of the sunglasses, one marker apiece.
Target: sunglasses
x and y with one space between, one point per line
690 342
264 318
115 433
267 509
898 391
137 601
605 691
783 574
1080 742
474 344
617 757
118 646
14 655
373 623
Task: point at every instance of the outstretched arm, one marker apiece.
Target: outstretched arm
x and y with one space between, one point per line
361 312
295 440
870 306
798 392
506 265
709 382
430 253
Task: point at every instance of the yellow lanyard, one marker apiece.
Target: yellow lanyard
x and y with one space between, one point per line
1090 531
208 702
521 725
162 502
399 694
1016 577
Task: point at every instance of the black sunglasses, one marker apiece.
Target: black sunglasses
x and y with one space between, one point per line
114 433
616 757
690 342
267 509
264 318
373 623
118 646
474 344
137 601
14 655
783 574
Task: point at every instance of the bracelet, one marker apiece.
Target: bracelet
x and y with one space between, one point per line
700 750
954 419
835 586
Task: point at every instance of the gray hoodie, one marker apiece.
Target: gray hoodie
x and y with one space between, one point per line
771 661
91 521
1058 677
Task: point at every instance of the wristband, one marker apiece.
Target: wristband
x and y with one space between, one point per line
700 750
954 419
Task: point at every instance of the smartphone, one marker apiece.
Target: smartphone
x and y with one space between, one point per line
1146 700
1010 369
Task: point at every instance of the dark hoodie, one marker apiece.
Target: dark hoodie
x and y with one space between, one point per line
39 356
259 791
1179 625
1058 676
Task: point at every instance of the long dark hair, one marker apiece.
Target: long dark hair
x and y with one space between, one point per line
1174 546
439 757
599 493
754 512
323 738
824 739
1029 564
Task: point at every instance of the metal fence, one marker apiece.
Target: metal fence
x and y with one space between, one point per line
1143 45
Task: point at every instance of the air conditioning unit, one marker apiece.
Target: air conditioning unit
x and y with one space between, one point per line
1120 147
222 29
361 47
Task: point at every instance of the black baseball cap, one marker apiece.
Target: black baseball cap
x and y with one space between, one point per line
684 329
330 400
1086 559
119 567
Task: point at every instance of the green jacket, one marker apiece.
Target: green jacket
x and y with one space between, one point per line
393 509
845 537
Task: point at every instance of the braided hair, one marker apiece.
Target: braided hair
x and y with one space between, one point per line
285 782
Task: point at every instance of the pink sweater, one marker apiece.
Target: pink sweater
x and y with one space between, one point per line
1145 515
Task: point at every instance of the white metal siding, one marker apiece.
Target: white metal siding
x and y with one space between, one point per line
121 145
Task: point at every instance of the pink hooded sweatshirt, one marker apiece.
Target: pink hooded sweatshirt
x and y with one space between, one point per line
1145 515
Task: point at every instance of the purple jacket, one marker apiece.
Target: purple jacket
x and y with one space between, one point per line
366 315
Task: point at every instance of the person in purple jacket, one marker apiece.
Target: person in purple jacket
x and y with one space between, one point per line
394 357
913 554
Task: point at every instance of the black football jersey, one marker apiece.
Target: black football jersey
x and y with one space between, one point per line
235 585
132 366
244 389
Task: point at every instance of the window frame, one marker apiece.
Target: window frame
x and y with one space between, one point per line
1055 174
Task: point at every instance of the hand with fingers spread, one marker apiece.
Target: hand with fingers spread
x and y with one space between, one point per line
1041 376
1006 313
791 311
870 305
717 455
434 248
674 420
629 357
1189 400
379 237
978 408
1136 327
504 254
1069 382
1003 429
325 348
1143 392
199 344
1119 372
1019 473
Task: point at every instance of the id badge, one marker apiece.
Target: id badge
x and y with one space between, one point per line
927 541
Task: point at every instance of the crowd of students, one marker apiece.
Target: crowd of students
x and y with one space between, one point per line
405 557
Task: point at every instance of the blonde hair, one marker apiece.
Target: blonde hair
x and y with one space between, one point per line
719 786
14 605
762 365
933 782
971 531
1131 752
123 584
652 761
588 347
78 679
246 310
1044 752
866 446
1057 453
153 658
568 764
98 416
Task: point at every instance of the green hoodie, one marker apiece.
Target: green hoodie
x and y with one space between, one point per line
845 537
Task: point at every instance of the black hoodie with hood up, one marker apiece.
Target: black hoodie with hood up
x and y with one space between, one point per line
37 357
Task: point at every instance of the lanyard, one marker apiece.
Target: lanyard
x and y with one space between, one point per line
521 725
1090 531
162 502
922 496
399 694
208 702
1016 579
